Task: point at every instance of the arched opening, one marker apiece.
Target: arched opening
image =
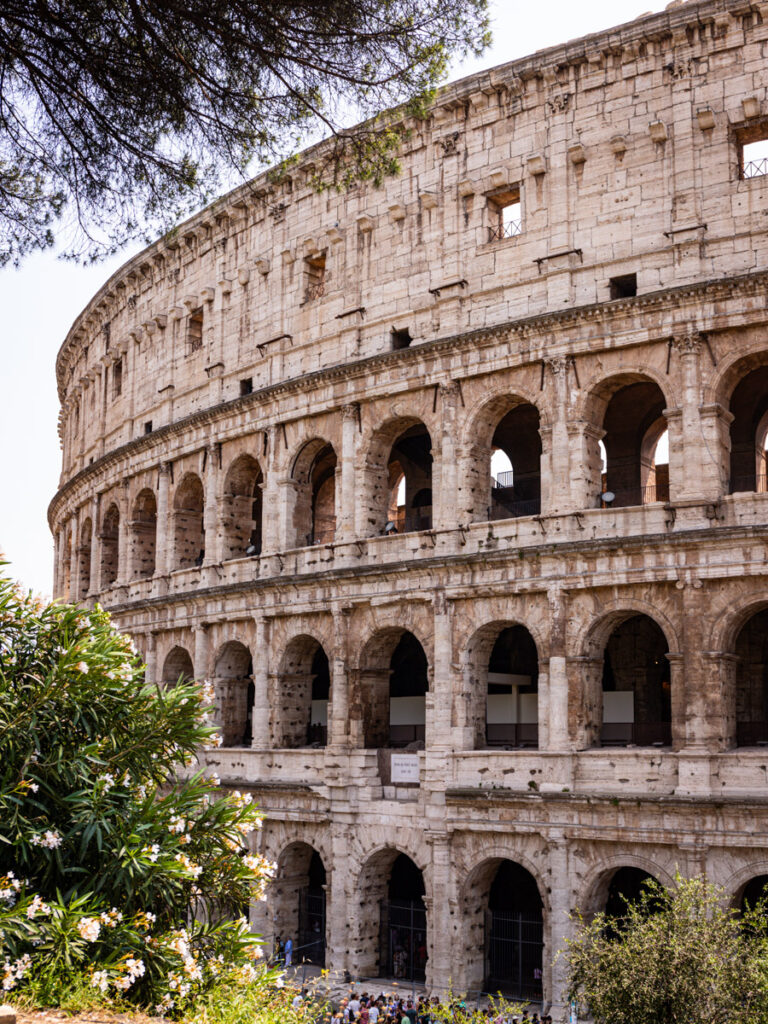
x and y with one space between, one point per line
315 508
298 898
516 465
514 933
188 532
752 682
404 923
512 702
755 890
637 708
633 425
84 561
394 681
143 535
241 513
409 482
302 695
110 546
624 885
232 676
749 428
177 668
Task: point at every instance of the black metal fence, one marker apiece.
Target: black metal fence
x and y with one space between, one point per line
311 944
514 947
403 939
639 734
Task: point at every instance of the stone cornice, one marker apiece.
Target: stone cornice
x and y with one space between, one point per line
672 25
538 324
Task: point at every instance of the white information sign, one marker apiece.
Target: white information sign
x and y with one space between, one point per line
405 768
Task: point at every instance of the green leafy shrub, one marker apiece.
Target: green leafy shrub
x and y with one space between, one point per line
113 868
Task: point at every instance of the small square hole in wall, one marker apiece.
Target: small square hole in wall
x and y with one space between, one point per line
623 287
246 386
148 427
401 338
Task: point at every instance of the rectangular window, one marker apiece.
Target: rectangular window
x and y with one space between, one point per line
314 270
195 330
505 214
623 287
754 158
401 338
117 379
148 427
246 386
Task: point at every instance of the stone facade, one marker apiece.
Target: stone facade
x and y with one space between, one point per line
278 428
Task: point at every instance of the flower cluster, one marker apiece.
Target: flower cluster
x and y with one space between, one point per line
14 971
134 968
89 928
151 852
111 918
50 839
37 907
194 869
9 887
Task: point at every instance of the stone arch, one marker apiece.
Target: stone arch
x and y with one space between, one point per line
503 905
595 885
510 424
398 464
232 676
110 546
742 881
390 926
744 389
177 666
84 548
626 654
297 896
498 717
313 516
188 528
394 678
626 410
242 508
301 694
143 534
751 680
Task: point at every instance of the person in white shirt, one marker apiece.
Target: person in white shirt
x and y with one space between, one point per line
373 1013
354 1004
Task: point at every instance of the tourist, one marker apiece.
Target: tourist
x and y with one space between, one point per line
288 951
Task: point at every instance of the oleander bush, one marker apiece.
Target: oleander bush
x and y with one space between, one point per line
124 872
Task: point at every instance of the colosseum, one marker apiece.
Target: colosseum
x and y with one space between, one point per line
457 488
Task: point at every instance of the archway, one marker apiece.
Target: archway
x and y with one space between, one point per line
302 695
512 708
298 897
622 886
749 407
752 682
188 532
516 465
84 561
110 546
394 682
232 675
242 506
632 421
755 890
177 667
314 515
637 708
409 482
143 535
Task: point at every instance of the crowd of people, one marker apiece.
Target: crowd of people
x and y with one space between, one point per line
367 1008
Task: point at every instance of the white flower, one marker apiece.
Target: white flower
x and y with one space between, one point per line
152 852
33 787
194 869
50 839
89 928
100 980
81 667
107 781
37 907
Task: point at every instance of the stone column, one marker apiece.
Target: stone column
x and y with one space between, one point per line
338 725
210 512
585 701
74 556
444 500
150 659
163 539
586 479
260 715
123 539
440 697
200 656
443 960
559 926
345 502
339 927
556 469
694 469
554 712
93 581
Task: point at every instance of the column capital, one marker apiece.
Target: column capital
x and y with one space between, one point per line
350 411
687 340
558 364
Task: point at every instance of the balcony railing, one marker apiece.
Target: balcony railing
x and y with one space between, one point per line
508 230
413 520
638 734
520 735
755 168
637 496
505 504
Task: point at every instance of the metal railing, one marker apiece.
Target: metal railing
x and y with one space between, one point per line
637 496
508 230
507 734
413 520
505 479
755 168
513 509
638 734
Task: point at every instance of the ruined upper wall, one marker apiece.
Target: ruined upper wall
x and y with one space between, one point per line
624 147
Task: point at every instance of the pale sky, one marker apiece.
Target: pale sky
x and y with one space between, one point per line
41 300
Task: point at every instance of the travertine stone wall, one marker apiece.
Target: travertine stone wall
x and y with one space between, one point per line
237 415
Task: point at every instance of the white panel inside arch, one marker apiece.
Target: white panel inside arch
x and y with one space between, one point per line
319 712
513 709
618 706
407 711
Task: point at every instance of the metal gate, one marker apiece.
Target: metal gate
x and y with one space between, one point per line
311 944
404 939
514 946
